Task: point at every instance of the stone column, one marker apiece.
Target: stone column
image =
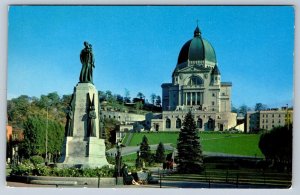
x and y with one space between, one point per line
179 98
201 98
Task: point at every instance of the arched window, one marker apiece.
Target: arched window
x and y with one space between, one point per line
168 123
211 124
178 123
195 80
199 123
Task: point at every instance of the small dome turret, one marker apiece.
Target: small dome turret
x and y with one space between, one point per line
216 71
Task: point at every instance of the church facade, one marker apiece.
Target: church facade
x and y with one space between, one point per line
197 87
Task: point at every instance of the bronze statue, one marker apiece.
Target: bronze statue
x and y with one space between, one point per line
69 116
88 63
91 128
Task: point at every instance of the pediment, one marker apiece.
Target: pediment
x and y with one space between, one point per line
194 68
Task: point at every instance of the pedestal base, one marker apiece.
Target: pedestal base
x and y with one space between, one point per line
81 150
79 153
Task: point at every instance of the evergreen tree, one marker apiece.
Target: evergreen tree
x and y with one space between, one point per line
160 153
190 159
145 153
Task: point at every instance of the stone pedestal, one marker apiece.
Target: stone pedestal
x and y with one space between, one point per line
81 148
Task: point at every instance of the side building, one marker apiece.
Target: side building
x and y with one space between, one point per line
197 87
267 119
129 122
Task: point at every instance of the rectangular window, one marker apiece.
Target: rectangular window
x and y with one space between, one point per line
193 98
213 103
198 98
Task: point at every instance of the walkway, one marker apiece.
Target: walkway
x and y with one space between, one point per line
133 149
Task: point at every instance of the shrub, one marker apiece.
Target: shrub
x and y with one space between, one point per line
40 170
35 160
22 170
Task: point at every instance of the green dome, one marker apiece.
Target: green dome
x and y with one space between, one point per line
196 49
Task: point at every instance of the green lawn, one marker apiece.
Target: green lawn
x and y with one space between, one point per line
230 143
155 138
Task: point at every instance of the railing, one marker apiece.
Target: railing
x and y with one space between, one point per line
231 178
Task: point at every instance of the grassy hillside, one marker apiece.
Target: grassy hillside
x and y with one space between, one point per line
230 143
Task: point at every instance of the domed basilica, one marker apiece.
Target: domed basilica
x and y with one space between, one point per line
196 86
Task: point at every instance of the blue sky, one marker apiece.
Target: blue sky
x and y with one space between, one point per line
136 47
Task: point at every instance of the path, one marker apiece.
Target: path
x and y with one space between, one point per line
164 184
129 139
133 149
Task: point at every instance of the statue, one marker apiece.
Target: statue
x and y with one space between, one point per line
88 63
69 116
91 128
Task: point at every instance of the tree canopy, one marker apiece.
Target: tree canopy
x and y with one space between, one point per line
260 107
276 145
34 143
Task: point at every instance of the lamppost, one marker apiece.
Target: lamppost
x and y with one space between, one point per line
138 163
46 157
15 157
17 154
118 158
46 143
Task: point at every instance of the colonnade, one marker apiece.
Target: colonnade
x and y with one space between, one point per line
192 98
